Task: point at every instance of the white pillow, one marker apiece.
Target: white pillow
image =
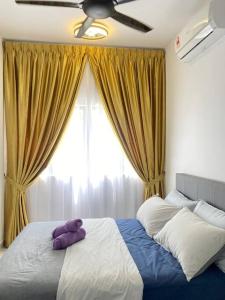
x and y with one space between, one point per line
192 241
215 217
154 213
179 200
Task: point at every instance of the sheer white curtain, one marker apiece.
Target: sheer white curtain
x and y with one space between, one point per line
89 175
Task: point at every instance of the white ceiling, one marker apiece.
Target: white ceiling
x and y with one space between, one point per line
53 24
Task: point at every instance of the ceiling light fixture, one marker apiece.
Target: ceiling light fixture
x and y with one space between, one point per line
95 32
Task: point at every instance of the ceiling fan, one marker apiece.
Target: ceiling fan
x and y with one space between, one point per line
95 9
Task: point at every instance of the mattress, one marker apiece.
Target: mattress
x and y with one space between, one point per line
30 269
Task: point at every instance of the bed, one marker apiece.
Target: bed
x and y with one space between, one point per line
30 269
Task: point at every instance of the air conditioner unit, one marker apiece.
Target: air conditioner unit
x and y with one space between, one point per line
205 28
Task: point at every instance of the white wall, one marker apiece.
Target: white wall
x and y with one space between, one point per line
196 115
1 145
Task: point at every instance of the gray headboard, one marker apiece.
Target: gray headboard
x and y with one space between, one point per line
197 188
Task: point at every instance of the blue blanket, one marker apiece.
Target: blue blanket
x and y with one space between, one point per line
161 273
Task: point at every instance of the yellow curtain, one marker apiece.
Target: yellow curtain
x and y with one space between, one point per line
40 85
132 85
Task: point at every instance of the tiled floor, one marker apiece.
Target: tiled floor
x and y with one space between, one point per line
2 250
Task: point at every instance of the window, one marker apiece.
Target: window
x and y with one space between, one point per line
89 174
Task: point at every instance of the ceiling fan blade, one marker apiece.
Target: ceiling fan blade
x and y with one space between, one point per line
86 24
51 3
123 1
128 21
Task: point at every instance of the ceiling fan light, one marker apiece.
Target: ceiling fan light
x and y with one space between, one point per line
95 32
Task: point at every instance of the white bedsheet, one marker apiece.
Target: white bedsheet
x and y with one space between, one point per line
100 267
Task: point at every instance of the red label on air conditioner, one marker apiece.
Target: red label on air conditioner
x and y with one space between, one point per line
177 42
